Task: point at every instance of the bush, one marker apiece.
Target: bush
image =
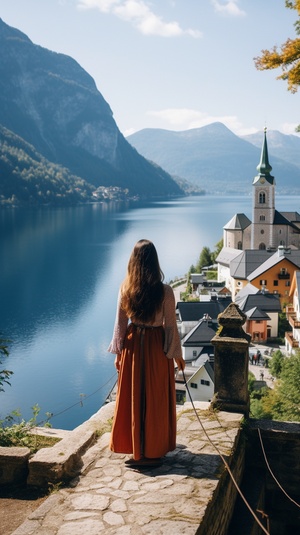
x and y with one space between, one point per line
15 431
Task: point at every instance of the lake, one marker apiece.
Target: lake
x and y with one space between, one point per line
60 273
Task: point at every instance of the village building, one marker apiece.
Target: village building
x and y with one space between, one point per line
292 338
262 309
189 313
268 228
266 270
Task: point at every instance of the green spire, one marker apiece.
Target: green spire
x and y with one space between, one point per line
264 168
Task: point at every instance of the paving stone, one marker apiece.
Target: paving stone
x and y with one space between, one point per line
111 499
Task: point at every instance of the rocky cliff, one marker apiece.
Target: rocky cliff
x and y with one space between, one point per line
52 103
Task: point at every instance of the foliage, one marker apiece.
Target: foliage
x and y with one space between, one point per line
288 390
205 259
276 363
15 431
28 178
251 381
287 56
212 275
283 326
217 250
283 401
4 374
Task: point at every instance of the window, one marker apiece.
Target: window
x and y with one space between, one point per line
275 283
204 382
262 231
262 246
263 282
257 321
240 245
262 198
194 385
194 353
262 218
288 283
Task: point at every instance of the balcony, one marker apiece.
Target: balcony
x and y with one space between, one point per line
291 341
283 276
294 322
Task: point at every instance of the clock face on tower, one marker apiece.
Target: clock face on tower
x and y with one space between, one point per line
262 180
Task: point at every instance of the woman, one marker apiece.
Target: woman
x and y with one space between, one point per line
145 341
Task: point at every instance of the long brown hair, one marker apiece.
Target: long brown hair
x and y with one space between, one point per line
142 290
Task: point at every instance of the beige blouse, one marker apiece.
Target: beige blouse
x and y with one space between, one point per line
166 317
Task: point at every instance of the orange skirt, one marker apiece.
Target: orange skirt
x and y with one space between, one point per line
145 414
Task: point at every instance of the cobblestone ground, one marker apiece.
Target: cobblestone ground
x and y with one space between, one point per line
113 499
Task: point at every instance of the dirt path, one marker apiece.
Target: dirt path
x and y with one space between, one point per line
16 504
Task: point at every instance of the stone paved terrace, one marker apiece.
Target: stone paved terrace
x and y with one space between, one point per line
175 498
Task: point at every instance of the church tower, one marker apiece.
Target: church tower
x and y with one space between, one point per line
263 204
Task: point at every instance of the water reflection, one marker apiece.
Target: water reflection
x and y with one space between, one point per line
59 276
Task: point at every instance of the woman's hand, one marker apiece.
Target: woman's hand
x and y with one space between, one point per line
118 362
180 363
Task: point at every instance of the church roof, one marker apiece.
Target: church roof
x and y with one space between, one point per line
248 261
227 254
238 222
264 168
280 219
291 216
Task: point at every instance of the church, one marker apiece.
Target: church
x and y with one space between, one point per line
269 228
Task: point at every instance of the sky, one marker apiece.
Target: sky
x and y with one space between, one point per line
172 64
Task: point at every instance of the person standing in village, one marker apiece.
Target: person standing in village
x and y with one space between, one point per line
146 343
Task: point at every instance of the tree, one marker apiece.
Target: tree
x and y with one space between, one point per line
204 259
4 374
218 249
276 363
287 57
288 391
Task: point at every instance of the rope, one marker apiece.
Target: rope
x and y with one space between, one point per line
269 468
224 461
77 402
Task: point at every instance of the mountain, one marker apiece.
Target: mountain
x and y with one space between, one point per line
214 158
53 104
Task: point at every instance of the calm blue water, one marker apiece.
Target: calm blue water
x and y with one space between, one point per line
60 270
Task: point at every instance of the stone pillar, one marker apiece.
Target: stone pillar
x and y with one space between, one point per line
231 362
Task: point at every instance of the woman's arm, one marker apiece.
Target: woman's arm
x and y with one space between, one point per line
172 345
121 322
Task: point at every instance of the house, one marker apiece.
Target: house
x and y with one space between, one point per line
276 273
268 228
199 380
190 313
203 287
197 341
262 309
292 339
272 271
235 266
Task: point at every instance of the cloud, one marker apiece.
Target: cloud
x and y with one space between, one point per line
138 13
289 128
228 7
186 119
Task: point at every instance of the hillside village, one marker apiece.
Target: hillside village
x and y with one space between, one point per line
258 268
